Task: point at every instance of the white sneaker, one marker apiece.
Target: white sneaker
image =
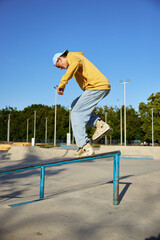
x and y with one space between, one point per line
102 129
86 150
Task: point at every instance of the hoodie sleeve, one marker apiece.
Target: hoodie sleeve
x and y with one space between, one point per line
74 64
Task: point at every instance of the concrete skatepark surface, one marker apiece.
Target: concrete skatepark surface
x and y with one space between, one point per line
78 197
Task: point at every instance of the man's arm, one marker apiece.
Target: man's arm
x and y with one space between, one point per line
73 67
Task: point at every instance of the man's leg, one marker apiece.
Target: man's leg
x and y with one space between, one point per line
81 114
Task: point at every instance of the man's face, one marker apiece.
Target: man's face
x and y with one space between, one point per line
62 63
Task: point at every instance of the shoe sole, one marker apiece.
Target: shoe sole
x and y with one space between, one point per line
85 155
103 134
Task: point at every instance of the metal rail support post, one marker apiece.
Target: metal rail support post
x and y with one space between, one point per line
42 180
116 179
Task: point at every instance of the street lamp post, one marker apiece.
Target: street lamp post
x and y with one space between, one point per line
46 131
27 127
124 109
152 130
55 118
8 130
70 125
120 120
34 126
69 121
69 134
106 122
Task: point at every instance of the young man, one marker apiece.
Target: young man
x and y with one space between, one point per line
95 86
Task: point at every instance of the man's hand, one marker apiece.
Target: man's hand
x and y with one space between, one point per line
60 91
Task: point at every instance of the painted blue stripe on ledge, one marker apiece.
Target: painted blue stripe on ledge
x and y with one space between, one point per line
68 146
135 158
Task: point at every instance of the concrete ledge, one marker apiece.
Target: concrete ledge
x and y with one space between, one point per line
142 151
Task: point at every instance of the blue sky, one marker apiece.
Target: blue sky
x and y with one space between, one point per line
121 37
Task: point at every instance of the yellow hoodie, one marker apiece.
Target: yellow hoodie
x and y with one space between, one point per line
86 74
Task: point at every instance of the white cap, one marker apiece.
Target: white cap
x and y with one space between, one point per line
57 55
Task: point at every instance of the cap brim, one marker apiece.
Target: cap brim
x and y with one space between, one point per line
65 52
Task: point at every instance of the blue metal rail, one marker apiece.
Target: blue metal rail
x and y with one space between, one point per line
114 154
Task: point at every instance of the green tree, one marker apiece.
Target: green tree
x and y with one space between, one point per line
133 122
4 122
145 111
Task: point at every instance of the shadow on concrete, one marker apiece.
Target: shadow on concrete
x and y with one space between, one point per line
127 185
91 185
123 192
7 197
153 238
10 181
4 156
74 189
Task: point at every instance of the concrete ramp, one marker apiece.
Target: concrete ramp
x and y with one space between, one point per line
23 152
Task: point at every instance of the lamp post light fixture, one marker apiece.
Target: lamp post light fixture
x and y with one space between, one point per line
124 109
55 116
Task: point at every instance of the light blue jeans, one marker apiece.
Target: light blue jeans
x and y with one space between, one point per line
81 114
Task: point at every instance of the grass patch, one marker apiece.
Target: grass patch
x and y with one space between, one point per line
96 145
